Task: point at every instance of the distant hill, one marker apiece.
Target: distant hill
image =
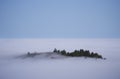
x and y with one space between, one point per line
42 55
63 54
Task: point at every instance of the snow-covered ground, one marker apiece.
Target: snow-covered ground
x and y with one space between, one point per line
43 67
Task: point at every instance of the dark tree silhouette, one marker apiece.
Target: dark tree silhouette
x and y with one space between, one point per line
78 53
28 53
55 50
63 52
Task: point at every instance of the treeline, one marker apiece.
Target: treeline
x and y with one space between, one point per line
78 53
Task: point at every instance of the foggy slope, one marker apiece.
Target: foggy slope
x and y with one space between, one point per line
42 55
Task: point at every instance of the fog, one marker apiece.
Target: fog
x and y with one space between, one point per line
14 67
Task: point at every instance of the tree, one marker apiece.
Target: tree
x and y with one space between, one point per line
78 53
28 53
87 53
63 52
55 50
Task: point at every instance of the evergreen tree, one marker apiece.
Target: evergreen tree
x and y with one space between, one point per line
63 52
78 53
55 50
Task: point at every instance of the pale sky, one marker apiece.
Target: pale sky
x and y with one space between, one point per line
59 18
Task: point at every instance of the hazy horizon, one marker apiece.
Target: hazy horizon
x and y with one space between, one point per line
46 45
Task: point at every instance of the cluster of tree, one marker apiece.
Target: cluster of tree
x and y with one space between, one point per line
78 53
